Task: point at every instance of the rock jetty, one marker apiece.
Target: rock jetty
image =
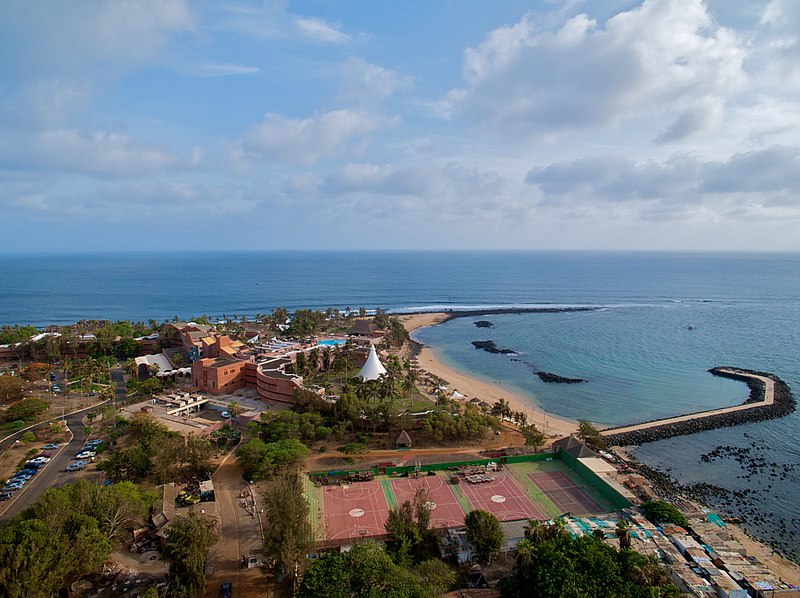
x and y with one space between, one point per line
484 324
783 403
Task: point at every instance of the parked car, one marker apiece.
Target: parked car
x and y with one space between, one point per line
45 454
85 455
22 476
76 466
94 442
31 471
39 460
51 446
56 388
5 495
226 589
11 486
33 464
52 376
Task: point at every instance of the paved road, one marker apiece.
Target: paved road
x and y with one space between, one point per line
769 399
53 473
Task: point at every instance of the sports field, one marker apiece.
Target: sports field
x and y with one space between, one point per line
528 490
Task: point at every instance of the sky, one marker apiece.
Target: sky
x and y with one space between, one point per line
423 124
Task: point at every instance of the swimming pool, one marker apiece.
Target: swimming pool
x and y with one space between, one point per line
329 342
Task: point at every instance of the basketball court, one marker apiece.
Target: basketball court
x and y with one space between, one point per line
565 493
354 511
503 497
445 508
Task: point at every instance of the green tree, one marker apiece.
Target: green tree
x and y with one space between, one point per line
550 562
534 437
328 576
288 535
188 540
26 410
12 388
659 511
484 533
261 460
408 529
590 435
437 576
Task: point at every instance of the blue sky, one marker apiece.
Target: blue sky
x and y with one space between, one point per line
169 125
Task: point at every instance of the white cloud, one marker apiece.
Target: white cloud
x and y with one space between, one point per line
320 30
766 177
425 181
59 37
222 70
307 140
660 58
365 82
99 153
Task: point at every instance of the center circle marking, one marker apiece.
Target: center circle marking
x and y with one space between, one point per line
498 498
357 513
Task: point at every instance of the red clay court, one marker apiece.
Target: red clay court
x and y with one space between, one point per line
447 512
565 493
354 511
503 498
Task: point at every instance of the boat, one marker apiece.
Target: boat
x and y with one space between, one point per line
690 327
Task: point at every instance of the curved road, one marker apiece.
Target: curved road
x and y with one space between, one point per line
53 473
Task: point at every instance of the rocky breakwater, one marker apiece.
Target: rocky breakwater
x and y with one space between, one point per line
758 407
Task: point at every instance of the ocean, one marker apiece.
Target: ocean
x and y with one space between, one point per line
636 351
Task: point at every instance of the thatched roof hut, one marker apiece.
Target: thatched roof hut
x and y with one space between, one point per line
403 440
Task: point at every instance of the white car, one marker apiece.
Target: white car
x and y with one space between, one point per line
41 460
85 455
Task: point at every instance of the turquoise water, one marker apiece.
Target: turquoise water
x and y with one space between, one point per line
636 352
331 342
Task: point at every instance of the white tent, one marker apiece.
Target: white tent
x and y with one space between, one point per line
373 368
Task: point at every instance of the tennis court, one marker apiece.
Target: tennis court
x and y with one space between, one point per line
503 498
446 510
354 511
565 493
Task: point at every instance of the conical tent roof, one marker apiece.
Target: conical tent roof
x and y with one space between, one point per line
373 368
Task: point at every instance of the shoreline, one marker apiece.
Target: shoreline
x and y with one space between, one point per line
472 386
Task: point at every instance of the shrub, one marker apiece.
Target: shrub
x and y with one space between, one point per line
28 437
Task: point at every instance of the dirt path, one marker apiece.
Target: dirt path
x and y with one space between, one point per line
769 399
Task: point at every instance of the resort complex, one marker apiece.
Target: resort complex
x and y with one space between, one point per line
297 448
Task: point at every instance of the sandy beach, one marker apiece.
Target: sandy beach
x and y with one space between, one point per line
473 387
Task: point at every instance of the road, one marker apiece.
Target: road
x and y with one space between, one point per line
53 473
239 534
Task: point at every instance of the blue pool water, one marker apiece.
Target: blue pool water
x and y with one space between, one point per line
331 342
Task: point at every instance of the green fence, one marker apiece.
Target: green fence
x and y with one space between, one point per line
607 492
615 499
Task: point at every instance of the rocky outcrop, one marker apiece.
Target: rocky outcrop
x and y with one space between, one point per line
783 404
556 379
483 324
490 347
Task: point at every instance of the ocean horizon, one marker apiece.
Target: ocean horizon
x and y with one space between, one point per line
635 349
